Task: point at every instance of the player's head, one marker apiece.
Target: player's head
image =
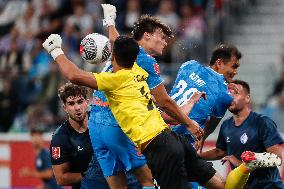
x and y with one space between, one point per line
75 100
37 138
151 34
125 51
241 96
225 60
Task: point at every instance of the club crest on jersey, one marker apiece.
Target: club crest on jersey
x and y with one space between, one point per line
55 152
156 67
244 138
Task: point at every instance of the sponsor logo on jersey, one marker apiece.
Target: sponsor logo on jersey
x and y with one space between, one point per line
138 152
156 67
55 152
80 148
98 102
228 139
244 138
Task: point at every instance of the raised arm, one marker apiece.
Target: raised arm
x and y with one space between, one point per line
74 74
109 21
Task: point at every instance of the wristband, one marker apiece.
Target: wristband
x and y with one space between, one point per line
56 52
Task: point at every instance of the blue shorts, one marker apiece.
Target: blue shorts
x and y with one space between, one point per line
114 150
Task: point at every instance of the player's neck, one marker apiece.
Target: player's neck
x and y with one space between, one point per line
241 116
142 43
79 126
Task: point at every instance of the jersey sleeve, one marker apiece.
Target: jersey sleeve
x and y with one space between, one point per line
46 160
268 131
221 141
150 65
222 103
107 81
60 149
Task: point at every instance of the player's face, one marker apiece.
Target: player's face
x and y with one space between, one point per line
240 99
156 42
76 107
37 140
230 68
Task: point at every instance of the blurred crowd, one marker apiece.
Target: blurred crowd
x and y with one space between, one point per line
28 78
274 106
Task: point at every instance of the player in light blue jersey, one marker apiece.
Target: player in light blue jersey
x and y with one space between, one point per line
115 152
213 80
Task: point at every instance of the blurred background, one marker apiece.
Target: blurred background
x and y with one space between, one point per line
29 80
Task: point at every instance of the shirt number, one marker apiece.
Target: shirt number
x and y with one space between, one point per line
183 95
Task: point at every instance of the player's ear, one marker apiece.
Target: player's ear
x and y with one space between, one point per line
219 63
247 99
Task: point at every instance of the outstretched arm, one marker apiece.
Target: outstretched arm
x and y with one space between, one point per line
74 74
109 21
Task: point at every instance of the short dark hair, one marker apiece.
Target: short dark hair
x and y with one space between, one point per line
147 23
244 84
70 89
36 130
125 51
225 52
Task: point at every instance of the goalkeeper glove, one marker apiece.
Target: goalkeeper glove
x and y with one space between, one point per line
109 15
53 45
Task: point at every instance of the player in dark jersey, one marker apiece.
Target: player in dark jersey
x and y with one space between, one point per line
70 147
43 163
248 130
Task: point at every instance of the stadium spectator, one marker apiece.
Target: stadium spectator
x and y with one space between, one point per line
248 130
8 105
167 14
43 169
275 110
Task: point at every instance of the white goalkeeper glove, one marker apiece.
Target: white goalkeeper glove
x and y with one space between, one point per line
109 15
53 45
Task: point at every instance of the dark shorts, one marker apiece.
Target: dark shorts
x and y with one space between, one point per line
198 170
174 162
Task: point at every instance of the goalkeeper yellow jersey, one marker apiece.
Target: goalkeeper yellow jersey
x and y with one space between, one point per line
130 102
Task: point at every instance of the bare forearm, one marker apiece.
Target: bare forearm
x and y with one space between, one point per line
172 109
46 174
67 68
168 119
214 154
75 74
112 33
69 178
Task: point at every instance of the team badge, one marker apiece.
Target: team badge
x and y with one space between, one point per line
55 152
244 138
156 66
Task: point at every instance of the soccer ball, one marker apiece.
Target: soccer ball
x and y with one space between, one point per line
95 48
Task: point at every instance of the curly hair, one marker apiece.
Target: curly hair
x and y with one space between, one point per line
147 23
70 89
